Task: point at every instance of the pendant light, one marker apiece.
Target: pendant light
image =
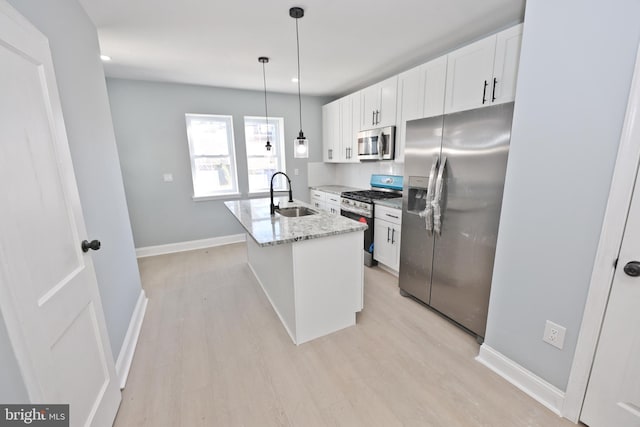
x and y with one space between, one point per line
264 60
301 144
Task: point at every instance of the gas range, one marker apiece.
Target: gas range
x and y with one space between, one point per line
361 202
358 205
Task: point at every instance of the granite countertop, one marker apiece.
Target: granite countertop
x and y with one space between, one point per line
269 230
335 189
390 203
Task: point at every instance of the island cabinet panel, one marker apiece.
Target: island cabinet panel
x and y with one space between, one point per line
329 284
311 299
275 275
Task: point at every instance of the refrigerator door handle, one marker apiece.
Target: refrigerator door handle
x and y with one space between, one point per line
427 213
437 198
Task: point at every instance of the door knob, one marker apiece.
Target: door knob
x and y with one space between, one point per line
632 268
86 245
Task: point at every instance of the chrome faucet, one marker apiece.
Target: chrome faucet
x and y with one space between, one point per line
272 206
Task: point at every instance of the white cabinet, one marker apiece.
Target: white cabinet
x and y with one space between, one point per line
339 134
483 73
318 199
332 203
379 104
420 94
331 131
325 201
349 115
386 236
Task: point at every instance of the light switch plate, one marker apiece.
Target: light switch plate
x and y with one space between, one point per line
554 334
167 177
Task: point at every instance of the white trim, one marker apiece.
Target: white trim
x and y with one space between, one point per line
264 290
613 225
123 364
225 196
545 393
189 246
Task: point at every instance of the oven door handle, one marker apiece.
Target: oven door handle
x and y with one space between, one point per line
437 198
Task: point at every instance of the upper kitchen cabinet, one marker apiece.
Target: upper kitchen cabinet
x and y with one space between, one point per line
379 104
483 73
340 125
420 94
349 127
331 131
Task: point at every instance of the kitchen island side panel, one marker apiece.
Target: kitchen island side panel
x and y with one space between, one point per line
329 280
273 268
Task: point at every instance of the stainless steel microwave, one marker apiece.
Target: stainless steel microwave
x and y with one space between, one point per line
377 144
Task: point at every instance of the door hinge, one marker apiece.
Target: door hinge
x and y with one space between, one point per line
615 264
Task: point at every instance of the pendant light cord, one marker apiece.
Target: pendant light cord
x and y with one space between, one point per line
299 96
266 111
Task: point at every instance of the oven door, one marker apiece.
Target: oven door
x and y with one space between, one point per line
368 234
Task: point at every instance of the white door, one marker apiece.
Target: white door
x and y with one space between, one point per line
470 76
388 102
434 76
613 393
346 130
382 248
370 101
410 105
505 70
48 291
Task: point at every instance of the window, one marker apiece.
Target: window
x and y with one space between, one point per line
213 161
262 164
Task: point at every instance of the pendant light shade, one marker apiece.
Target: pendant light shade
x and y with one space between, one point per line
264 60
301 143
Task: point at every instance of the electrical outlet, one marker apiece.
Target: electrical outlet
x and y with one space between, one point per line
167 177
554 334
296 171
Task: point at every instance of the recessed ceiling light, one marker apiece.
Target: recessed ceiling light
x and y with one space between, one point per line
294 79
105 58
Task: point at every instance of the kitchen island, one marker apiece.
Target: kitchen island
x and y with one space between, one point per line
310 267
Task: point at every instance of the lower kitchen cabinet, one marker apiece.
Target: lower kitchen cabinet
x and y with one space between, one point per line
318 199
325 201
386 236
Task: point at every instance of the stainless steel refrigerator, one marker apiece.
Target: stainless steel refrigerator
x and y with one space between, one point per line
453 182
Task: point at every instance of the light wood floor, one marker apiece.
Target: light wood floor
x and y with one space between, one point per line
212 352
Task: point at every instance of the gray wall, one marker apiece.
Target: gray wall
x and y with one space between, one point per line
85 105
150 130
575 72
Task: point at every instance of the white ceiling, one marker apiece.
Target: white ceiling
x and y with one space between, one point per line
344 45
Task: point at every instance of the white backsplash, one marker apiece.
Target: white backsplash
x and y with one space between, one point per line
356 175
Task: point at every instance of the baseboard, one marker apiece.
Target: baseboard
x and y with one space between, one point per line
123 364
388 269
189 246
264 290
545 393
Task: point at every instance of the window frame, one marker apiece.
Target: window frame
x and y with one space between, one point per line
280 146
233 164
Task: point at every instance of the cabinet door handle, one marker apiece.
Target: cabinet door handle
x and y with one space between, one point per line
391 216
377 116
393 234
388 235
484 92
330 154
373 117
493 95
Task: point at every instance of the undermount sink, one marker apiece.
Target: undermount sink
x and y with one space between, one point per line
296 211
